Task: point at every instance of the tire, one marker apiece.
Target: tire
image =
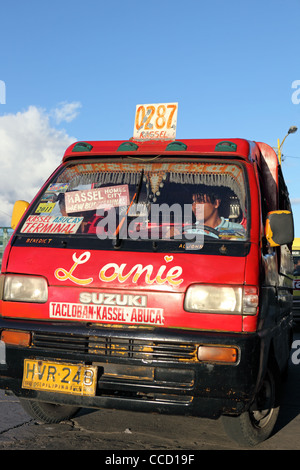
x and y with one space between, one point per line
256 425
48 412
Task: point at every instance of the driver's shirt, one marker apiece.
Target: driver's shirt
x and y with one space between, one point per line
225 228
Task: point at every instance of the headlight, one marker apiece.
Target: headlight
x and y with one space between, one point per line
18 288
214 299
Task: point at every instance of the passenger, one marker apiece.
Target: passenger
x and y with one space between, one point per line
208 219
209 215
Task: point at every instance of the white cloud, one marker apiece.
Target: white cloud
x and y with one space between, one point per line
30 149
295 200
66 111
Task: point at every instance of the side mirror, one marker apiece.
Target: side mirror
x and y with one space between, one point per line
19 208
279 228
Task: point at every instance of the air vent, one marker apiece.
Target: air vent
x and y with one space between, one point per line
226 146
128 147
82 147
176 146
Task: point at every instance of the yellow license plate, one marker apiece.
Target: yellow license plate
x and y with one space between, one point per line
58 377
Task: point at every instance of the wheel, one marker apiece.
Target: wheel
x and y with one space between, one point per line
203 230
48 412
256 425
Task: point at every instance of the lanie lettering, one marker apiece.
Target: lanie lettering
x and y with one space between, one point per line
113 272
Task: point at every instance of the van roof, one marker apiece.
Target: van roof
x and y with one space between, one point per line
234 147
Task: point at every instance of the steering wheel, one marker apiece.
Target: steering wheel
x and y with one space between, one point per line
206 228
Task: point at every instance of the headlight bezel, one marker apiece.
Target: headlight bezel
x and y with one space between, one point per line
221 299
24 288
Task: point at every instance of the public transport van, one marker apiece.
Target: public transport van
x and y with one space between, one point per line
152 276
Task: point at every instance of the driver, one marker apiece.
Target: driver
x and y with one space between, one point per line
209 215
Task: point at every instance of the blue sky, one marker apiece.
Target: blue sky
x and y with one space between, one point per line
76 70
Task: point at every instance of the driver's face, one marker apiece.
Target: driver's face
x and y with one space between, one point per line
209 210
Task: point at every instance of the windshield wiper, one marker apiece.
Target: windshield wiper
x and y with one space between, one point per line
116 235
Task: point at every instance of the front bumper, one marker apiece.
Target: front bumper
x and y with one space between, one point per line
140 369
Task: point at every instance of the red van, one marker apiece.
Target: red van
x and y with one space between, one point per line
152 276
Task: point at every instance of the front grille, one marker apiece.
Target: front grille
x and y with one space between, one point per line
104 346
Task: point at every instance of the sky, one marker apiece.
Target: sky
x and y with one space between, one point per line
75 70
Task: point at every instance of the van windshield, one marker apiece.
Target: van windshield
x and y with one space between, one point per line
193 202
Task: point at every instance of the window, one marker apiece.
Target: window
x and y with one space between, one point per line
190 201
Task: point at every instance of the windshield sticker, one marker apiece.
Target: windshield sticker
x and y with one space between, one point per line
121 273
45 207
49 197
92 199
107 314
51 224
58 187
